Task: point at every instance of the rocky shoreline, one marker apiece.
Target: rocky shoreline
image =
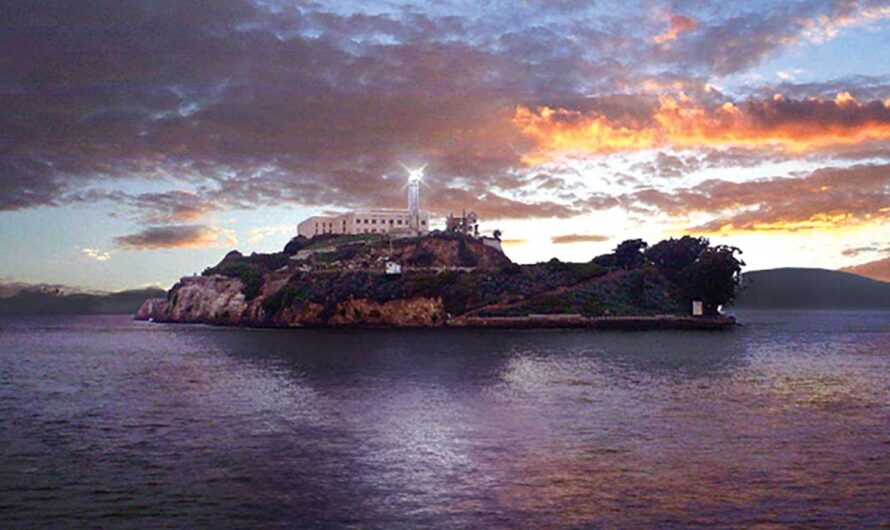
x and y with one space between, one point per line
152 311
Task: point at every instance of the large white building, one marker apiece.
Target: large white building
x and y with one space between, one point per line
375 221
410 222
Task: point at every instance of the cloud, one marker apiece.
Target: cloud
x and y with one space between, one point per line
666 165
872 249
826 27
257 235
98 255
679 24
827 198
490 205
746 37
178 236
578 238
791 125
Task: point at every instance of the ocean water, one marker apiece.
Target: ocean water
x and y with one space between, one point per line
784 422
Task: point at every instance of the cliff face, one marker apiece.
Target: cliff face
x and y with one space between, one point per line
219 300
205 299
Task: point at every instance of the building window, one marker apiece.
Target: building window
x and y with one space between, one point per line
423 222
399 221
374 221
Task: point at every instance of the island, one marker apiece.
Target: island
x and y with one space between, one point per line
455 278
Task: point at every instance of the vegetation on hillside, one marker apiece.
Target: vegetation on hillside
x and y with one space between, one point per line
469 278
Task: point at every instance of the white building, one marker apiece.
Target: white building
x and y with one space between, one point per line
374 221
410 222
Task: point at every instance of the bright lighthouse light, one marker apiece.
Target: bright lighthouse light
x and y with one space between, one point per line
416 174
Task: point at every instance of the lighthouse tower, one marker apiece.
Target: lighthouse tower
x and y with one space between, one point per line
415 176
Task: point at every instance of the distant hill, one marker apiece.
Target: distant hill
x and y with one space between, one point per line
876 270
792 288
41 301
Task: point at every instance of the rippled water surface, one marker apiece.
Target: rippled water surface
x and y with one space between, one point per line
108 422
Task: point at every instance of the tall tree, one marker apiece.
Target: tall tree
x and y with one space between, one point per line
715 276
629 254
675 257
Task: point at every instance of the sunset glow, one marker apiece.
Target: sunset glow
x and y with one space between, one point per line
795 126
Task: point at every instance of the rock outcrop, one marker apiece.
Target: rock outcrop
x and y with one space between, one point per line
219 300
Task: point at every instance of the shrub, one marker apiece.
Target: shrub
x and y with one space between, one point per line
295 245
281 299
422 258
585 271
511 269
592 308
248 273
465 256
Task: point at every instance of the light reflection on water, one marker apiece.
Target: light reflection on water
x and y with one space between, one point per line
785 421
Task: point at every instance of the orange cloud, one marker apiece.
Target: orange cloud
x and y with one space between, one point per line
679 24
178 236
792 125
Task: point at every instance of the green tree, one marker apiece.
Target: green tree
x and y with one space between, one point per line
715 276
629 254
295 245
674 257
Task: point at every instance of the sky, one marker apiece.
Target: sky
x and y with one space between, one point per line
142 140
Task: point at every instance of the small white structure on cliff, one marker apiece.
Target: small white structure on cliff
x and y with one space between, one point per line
410 222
